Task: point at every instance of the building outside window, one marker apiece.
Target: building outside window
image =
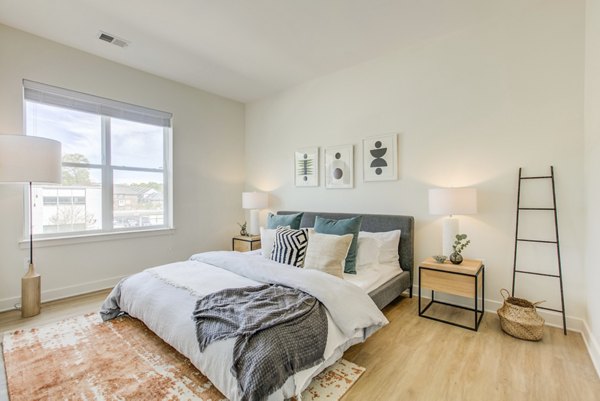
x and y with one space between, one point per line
116 163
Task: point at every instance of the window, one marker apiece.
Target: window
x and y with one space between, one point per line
116 163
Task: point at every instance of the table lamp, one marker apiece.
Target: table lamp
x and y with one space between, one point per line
450 202
254 201
28 159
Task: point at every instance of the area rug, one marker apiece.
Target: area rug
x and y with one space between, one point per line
83 358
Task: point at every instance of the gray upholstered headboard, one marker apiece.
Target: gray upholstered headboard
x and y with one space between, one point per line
377 223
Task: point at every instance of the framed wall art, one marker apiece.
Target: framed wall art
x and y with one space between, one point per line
306 167
339 166
380 158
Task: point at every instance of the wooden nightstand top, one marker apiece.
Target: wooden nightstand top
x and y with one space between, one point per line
468 266
248 239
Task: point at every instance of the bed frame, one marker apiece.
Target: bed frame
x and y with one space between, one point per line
392 289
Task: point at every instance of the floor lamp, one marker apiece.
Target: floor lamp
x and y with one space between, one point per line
254 201
449 202
29 159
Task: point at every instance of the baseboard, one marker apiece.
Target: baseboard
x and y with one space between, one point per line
592 346
552 319
64 292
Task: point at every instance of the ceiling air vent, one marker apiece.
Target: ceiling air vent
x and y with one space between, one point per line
115 40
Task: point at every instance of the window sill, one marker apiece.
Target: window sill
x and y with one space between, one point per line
96 237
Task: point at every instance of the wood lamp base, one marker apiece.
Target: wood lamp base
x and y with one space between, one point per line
31 290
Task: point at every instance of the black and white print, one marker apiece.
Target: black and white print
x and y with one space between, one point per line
306 167
380 158
339 170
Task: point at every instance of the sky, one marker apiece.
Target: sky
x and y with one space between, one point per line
133 144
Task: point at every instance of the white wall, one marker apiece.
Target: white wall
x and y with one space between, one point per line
208 138
470 108
592 174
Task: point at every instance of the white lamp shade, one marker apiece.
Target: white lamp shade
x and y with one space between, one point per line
254 200
450 201
29 159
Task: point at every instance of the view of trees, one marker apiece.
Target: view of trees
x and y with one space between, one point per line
157 186
75 175
72 215
69 212
79 176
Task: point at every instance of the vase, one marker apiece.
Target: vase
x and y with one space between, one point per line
456 258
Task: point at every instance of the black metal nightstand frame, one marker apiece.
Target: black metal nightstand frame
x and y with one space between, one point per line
251 239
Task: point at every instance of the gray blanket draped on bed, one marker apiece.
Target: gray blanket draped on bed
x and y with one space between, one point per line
279 330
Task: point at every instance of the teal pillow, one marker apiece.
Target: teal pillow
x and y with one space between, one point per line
342 227
284 220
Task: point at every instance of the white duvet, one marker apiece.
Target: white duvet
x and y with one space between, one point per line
164 297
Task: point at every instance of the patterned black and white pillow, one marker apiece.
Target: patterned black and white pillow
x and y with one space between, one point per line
290 246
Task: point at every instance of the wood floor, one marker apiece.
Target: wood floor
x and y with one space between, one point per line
416 359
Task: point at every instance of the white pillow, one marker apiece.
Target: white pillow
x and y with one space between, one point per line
267 239
390 240
327 252
367 253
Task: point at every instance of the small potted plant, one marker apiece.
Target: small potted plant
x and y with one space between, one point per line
243 231
459 245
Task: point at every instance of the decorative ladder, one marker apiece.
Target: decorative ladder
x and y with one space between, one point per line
556 242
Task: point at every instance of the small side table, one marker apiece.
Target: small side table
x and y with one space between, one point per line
241 243
465 280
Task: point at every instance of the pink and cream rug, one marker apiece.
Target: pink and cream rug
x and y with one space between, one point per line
84 359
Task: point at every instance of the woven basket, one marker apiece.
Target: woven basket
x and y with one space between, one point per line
519 318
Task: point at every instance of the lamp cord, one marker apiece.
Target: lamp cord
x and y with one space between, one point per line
30 224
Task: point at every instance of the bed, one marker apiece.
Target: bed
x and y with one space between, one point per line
164 298
391 289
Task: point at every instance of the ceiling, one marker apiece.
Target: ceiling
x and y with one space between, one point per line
246 49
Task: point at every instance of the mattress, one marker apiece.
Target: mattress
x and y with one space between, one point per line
373 277
369 278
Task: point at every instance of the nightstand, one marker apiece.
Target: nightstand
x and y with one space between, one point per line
465 280
244 244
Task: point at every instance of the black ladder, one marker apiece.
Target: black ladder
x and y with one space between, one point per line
557 242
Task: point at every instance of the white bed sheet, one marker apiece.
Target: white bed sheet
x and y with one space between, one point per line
374 276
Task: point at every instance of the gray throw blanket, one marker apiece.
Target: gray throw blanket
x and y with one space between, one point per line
279 330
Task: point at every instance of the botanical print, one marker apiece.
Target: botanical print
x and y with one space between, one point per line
306 167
